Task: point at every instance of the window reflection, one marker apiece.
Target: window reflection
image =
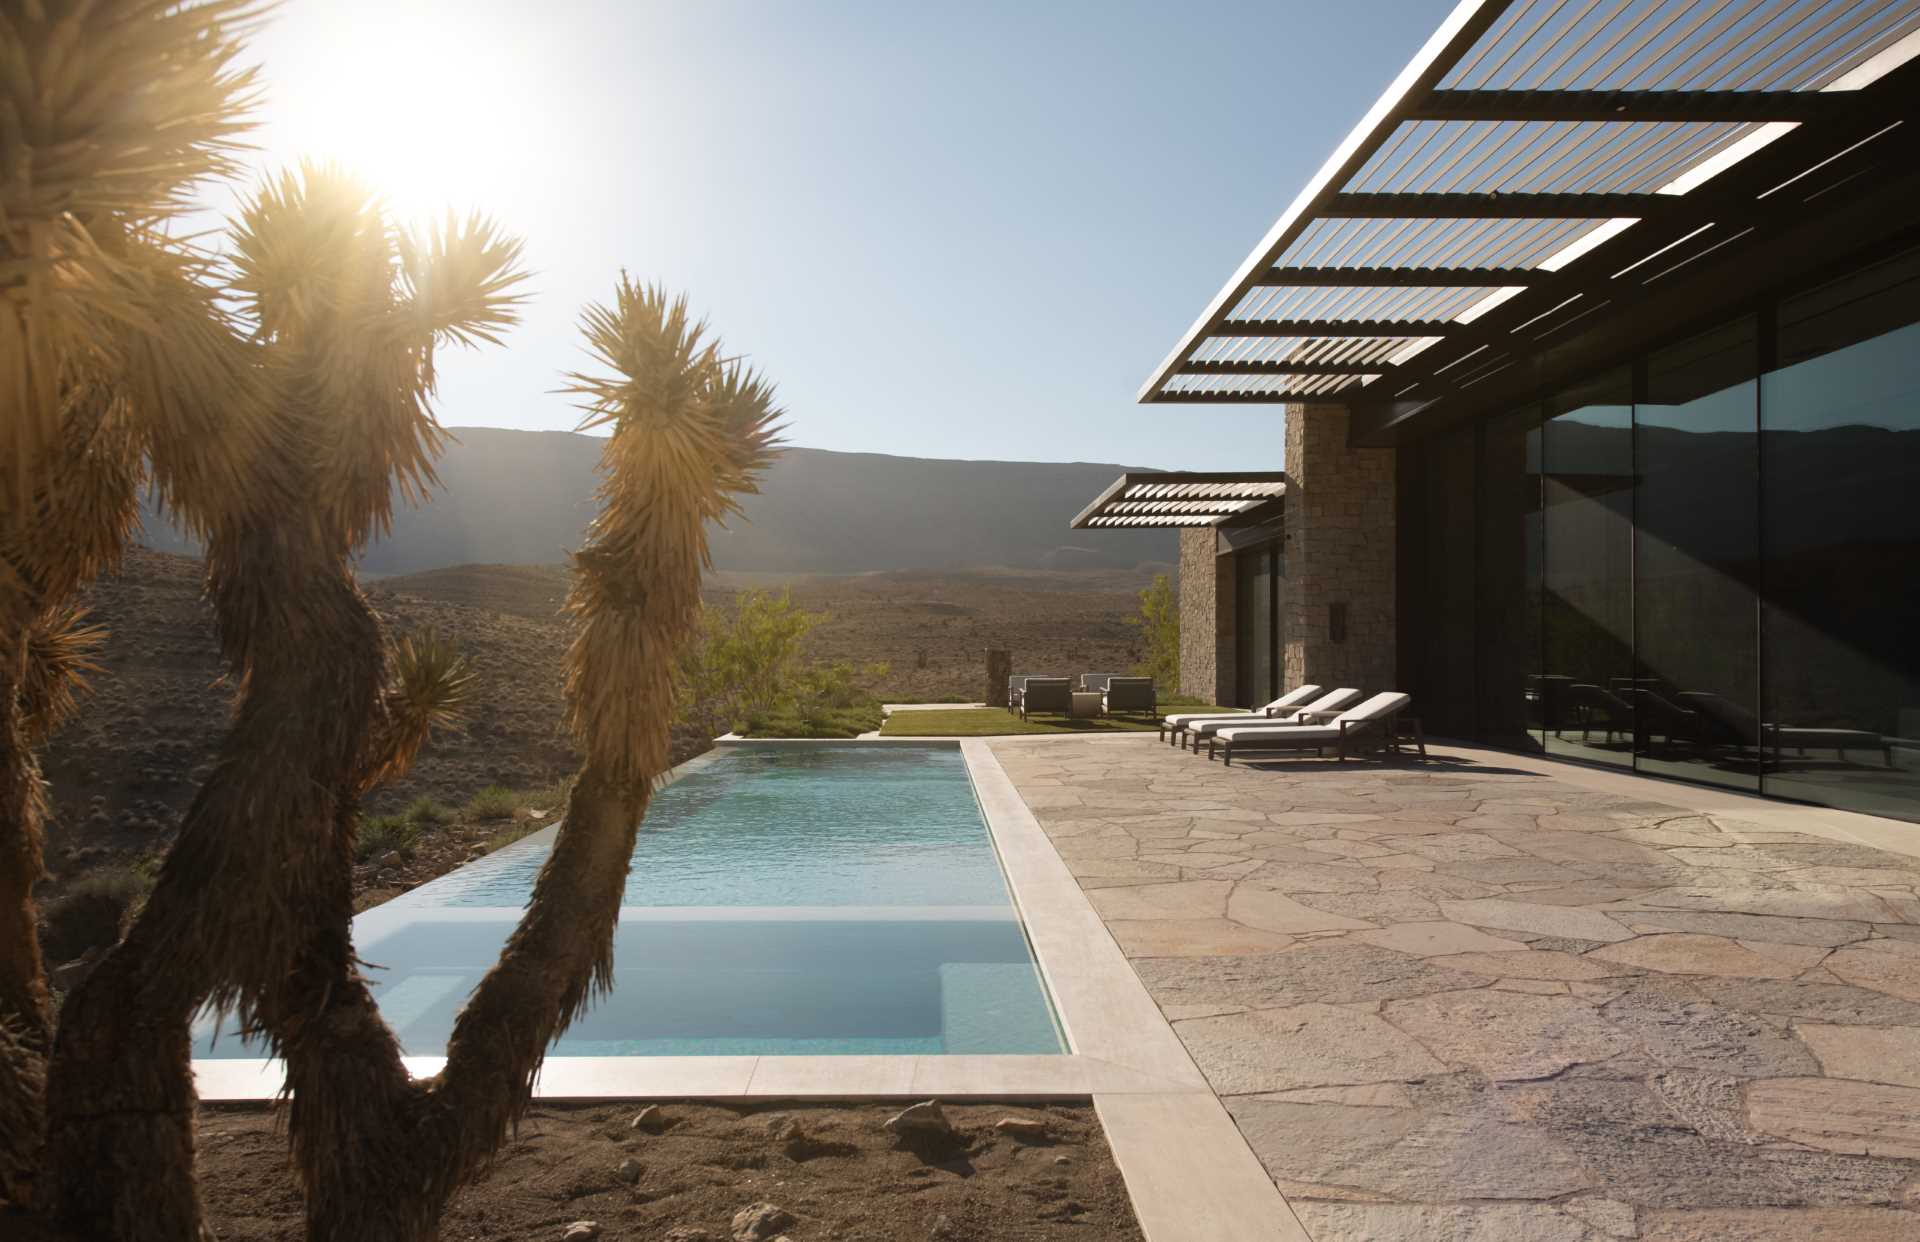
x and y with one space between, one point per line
1585 697
1696 514
1840 457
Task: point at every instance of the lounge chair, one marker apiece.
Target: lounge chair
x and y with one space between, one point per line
1748 730
1654 715
1046 694
1171 727
1329 704
1374 722
1130 696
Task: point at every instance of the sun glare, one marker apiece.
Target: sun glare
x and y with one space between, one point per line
432 115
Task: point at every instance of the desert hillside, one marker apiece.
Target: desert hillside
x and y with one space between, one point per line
523 498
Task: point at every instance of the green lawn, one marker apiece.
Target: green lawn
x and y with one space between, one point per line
996 722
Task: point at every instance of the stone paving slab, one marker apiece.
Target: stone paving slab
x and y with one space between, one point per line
1464 1000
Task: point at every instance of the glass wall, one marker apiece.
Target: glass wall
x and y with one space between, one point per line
1703 565
1588 701
1696 557
1839 475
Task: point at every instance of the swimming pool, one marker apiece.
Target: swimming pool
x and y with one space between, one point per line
781 900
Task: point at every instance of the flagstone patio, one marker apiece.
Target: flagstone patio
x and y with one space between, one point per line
1465 1000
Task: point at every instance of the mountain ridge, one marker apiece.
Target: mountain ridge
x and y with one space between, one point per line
525 497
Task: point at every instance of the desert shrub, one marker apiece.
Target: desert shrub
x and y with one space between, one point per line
746 666
1159 623
381 833
493 802
517 808
94 912
425 811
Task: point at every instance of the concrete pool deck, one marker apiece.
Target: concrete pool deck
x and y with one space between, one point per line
1500 998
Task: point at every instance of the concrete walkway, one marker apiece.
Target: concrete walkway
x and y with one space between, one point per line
1468 1001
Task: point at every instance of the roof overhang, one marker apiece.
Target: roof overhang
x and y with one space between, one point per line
1182 499
1543 167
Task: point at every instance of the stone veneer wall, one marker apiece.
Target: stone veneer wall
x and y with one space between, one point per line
1340 549
1206 618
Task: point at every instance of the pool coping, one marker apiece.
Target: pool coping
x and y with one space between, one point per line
1188 1170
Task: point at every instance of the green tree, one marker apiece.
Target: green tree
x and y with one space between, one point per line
746 660
1159 623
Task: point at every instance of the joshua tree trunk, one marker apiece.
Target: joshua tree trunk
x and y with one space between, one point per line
235 898
26 1021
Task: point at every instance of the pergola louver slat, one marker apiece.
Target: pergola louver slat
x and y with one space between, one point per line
1286 368
1540 151
1394 277
1494 206
1184 499
1663 106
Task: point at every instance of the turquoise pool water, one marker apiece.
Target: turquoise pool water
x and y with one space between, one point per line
780 901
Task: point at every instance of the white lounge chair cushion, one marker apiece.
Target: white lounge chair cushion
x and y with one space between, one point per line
1292 698
1382 704
1280 733
1327 702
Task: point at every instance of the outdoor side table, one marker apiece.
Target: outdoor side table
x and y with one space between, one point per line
1087 702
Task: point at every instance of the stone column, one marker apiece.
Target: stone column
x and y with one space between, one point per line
1206 618
1339 605
999 669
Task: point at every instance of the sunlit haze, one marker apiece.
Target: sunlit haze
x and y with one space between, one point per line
955 231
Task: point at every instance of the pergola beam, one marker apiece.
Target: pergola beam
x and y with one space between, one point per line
1496 206
1397 277
1677 106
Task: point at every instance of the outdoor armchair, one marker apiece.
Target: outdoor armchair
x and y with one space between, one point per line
1016 688
1130 695
1319 711
1046 694
1374 722
1171 727
1095 681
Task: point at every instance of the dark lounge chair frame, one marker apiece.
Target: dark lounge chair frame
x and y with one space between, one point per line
1393 729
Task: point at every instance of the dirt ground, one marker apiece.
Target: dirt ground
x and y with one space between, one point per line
842 1177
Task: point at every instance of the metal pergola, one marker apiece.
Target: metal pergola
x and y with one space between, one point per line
1543 166
1178 499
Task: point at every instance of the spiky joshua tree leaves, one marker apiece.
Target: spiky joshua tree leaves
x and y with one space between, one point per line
114 353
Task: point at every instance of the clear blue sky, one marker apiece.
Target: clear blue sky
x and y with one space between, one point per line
956 230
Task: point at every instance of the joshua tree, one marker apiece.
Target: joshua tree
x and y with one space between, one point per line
344 315
381 1154
114 353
